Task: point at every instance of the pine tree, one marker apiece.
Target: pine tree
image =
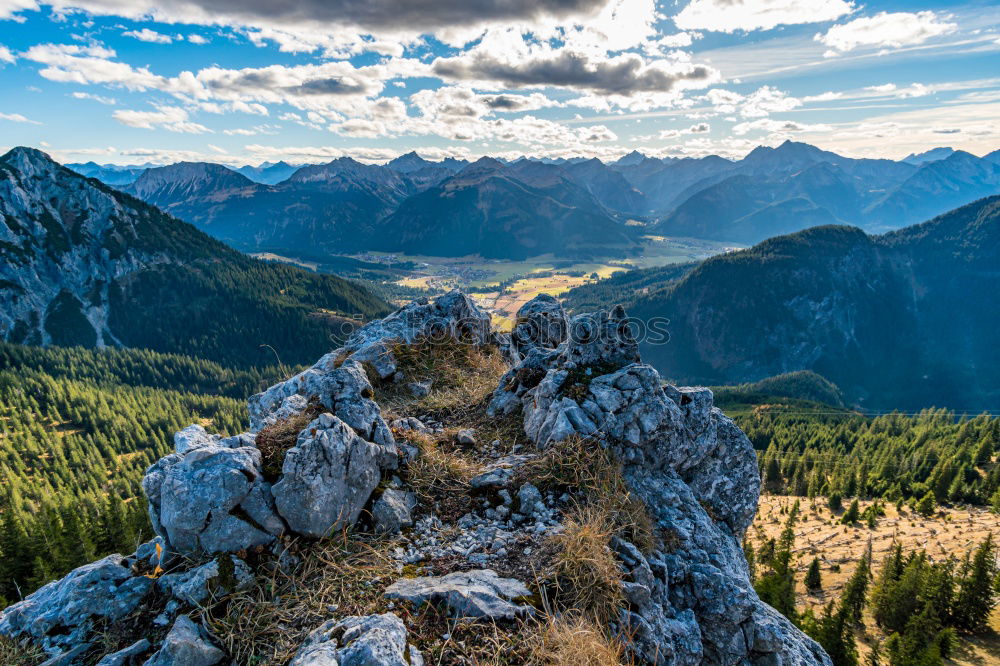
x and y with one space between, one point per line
852 599
852 514
813 579
927 504
977 591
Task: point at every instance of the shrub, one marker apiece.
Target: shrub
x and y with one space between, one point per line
574 641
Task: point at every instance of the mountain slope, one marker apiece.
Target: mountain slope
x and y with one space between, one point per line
492 210
84 264
902 320
166 186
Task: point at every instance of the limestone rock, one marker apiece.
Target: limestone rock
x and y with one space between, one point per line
187 644
211 499
210 580
479 593
128 656
326 478
62 613
392 511
539 323
372 640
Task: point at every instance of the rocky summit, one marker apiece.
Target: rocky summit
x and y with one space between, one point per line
438 492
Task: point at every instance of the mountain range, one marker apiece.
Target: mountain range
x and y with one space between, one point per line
906 319
452 207
84 264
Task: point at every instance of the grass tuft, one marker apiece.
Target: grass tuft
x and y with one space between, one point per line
574 641
583 466
585 574
14 654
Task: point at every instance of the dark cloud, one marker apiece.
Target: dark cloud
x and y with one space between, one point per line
510 102
624 75
390 14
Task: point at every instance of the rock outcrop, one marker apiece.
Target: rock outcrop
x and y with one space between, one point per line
688 595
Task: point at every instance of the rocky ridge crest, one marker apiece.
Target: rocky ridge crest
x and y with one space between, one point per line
227 510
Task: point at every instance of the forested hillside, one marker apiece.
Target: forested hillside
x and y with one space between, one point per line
78 428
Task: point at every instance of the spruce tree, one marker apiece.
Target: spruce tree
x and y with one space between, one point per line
977 588
813 580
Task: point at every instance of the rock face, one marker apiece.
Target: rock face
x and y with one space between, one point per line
691 600
468 594
373 640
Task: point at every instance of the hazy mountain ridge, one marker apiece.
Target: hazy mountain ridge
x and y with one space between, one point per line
346 205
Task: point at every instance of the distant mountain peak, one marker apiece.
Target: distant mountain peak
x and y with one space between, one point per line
30 161
408 162
932 155
634 157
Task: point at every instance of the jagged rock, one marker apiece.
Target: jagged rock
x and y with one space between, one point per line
212 579
327 478
193 437
479 593
410 424
372 640
187 644
211 499
539 323
127 657
62 613
392 511
344 391
70 657
690 600
528 498
466 437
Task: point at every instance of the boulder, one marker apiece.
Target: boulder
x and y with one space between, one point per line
479 593
211 499
326 478
62 613
393 511
541 323
219 577
372 640
186 644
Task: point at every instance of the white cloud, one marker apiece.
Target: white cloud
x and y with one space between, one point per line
147 35
5 55
699 128
195 38
171 118
253 131
18 118
886 30
733 15
761 102
780 126
822 97
72 63
97 98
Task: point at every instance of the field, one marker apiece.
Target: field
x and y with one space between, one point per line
952 531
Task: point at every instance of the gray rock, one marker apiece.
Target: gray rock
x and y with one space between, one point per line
392 511
206 582
327 478
466 437
70 657
193 437
468 594
62 613
211 499
528 499
186 644
539 323
128 656
420 389
372 640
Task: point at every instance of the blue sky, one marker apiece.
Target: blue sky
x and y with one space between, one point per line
246 81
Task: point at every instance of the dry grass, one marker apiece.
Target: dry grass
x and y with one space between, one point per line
274 440
440 467
582 465
574 641
585 574
12 654
463 376
337 578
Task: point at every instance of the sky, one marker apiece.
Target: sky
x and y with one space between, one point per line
249 81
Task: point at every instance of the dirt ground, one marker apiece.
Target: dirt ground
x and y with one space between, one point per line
818 533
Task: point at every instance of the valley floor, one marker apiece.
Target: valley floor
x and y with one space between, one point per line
818 533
